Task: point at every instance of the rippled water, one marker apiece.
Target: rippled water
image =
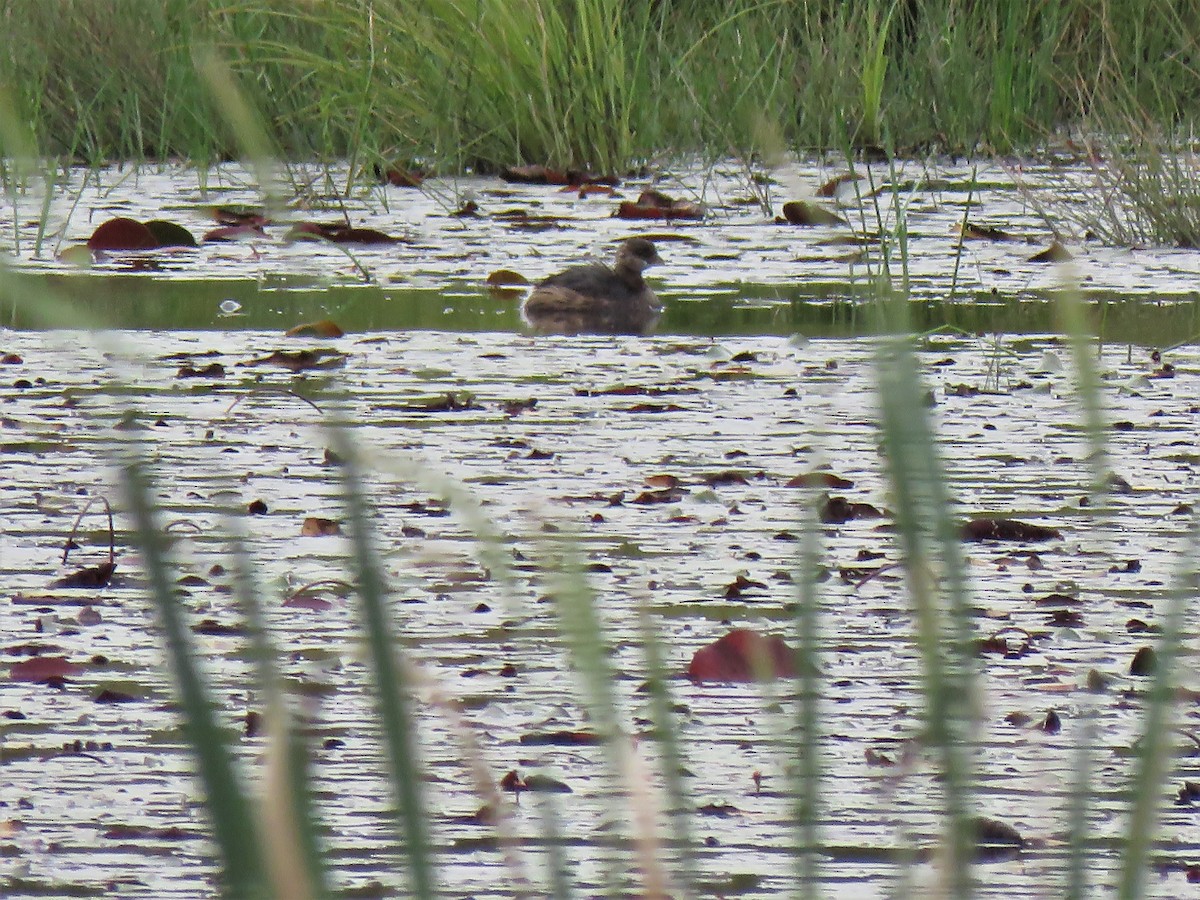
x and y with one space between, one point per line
737 271
766 408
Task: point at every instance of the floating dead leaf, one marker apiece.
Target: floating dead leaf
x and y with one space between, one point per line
663 495
836 510
323 328
451 401
743 655
1144 662
583 191
1011 642
738 588
655 205
506 278
801 212
140 834
652 408
544 784
820 480
997 529
113 696
212 370
972 231
300 360
830 187
213 628
661 482
564 738
308 600
91 577
527 221
43 668
168 234
538 174
400 176
122 233
239 215
339 233
314 526
1055 253
995 840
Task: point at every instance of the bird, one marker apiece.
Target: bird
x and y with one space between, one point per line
596 299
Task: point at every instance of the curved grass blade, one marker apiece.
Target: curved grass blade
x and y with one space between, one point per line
806 788
666 734
1071 315
293 852
391 686
1155 746
927 535
242 866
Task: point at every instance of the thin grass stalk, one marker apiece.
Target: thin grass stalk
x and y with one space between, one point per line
926 533
1154 749
392 691
584 634
666 733
1071 314
293 850
557 865
243 871
807 790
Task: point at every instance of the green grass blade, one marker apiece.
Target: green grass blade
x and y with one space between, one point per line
927 534
294 855
1154 750
391 684
807 789
242 867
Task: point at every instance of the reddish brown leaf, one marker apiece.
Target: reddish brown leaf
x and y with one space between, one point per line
830 188
400 176
324 328
309 601
742 655
43 668
820 480
661 482
503 278
1056 252
656 205
122 234
315 526
239 215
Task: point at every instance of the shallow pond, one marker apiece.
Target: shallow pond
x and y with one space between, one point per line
445 408
609 413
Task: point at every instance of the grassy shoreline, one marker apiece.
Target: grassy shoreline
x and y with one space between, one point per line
602 84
